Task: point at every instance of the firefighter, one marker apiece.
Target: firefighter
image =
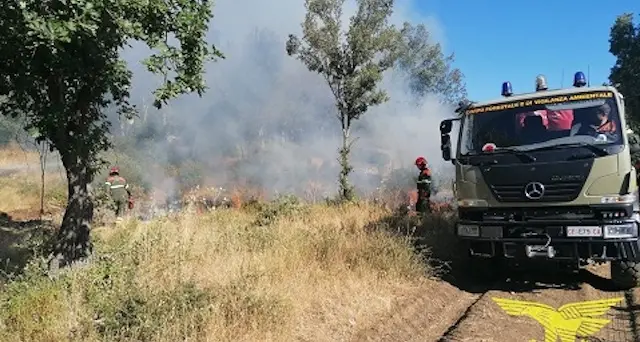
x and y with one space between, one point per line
604 123
423 186
119 191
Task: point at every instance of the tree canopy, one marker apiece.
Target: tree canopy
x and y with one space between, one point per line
624 43
61 68
429 70
352 63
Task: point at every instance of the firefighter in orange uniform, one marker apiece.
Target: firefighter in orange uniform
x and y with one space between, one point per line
605 124
423 204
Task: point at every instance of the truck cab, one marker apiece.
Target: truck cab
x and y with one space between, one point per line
548 175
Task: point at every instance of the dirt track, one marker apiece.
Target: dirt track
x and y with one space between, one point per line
446 313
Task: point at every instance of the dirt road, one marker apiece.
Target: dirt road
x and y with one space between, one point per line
459 313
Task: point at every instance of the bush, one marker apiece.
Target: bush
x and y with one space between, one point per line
281 206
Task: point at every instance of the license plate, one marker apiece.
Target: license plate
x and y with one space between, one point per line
584 231
468 230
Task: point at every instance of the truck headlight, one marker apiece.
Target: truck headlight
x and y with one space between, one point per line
627 230
472 202
628 198
471 230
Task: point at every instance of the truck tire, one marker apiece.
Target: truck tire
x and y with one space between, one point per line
625 274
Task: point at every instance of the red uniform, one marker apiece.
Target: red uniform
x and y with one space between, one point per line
553 120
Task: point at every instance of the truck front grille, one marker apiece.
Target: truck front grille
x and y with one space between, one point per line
554 192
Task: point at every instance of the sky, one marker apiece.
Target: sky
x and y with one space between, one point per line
517 40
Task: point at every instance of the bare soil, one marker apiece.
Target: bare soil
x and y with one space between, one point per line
446 313
424 315
487 322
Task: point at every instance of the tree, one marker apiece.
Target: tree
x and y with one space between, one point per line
429 70
352 63
624 40
61 67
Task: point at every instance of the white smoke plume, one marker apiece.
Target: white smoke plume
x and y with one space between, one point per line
259 93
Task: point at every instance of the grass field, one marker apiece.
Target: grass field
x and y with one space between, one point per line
280 272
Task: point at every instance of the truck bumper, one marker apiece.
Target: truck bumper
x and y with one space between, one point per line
550 240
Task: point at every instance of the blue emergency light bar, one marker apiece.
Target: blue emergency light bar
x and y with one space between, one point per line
579 80
506 89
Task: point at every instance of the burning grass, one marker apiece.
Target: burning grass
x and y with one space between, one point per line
249 270
308 273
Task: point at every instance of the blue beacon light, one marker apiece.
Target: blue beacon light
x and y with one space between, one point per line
579 80
506 89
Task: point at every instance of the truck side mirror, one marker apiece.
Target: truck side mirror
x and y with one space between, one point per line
445 126
445 146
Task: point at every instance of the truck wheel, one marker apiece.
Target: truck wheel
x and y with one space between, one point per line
625 274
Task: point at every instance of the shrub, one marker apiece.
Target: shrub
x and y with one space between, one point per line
281 206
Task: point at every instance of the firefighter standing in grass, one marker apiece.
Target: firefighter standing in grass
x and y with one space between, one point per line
423 186
119 191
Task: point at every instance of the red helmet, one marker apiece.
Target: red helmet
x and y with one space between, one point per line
421 161
114 169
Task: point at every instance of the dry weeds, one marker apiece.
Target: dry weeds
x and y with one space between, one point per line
275 272
20 185
316 277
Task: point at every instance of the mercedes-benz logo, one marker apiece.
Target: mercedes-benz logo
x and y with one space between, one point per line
534 190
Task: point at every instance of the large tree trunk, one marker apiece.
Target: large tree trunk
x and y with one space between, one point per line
73 240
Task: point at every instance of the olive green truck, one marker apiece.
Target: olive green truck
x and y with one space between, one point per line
547 175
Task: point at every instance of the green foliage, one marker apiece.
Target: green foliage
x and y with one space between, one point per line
21 242
103 205
31 292
125 310
624 40
353 66
117 307
428 69
61 93
281 206
61 68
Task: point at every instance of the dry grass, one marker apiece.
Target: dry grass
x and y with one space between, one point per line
277 272
317 275
20 185
15 155
20 195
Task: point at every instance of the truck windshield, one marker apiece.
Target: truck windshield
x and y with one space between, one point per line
590 118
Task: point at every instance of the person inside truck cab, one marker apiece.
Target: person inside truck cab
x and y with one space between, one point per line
553 120
604 123
534 129
596 122
523 116
559 120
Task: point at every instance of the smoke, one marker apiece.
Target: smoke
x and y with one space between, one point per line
269 121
